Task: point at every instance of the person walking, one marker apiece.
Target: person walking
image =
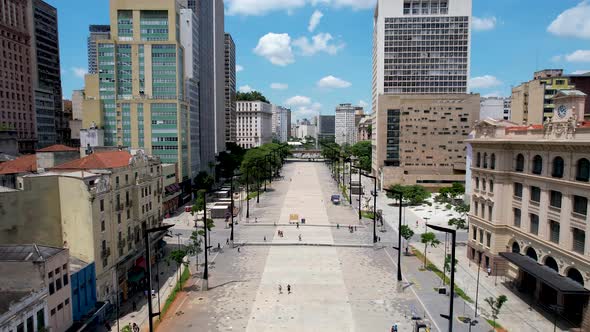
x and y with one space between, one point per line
299 237
489 271
288 289
135 327
297 225
265 238
280 289
238 249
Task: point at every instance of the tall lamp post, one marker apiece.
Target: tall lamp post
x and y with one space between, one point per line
374 194
452 295
399 232
146 237
247 192
206 229
231 190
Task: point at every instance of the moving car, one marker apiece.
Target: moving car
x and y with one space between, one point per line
335 199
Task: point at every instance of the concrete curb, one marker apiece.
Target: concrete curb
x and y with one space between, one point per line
288 244
300 225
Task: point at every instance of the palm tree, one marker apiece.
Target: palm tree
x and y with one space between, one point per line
429 239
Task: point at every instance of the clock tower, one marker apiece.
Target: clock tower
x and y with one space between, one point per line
569 104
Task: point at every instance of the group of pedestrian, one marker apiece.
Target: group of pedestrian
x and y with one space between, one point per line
280 233
134 327
351 228
288 289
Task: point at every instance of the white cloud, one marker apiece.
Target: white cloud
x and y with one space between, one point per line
363 103
483 23
556 58
578 56
573 22
245 88
483 82
493 94
296 101
319 43
279 86
314 20
276 48
353 4
308 110
333 82
580 72
79 71
239 68
261 7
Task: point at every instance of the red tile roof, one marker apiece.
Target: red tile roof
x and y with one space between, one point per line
57 148
24 164
524 128
99 160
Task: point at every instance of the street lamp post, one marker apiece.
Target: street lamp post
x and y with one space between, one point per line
452 295
374 194
247 192
350 180
231 235
206 228
258 185
399 233
477 286
146 237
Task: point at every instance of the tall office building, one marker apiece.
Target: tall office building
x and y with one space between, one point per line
189 37
345 124
497 108
219 65
281 123
421 47
138 95
16 92
326 128
230 89
97 32
420 72
51 127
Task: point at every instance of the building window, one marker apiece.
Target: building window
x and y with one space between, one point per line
519 167
554 231
485 160
537 165
475 208
492 186
101 205
580 205
58 284
488 239
118 218
30 324
490 209
477 183
102 226
516 217
518 189
67 301
493 161
51 288
478 160
474 233
583 170
128 214
66 280
555 200
481 236
558 166
483 184
535 194
579 240
40 319
534 227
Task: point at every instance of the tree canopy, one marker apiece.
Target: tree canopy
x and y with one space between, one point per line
413 195
203 181
251 96
255 161
230 160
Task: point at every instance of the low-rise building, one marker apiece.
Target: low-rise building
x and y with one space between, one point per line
365 128
83 285
98 206
172 189
529 215
32 268
497 108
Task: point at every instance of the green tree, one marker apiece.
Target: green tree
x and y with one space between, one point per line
203 181
195 245
251 96
177 256
496 305
363 152
413 195
406 233
230 160
448 263
458 222
429 239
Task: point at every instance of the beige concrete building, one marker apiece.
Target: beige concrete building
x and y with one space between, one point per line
138 94
254 126
30 267
172 190
364 128
419 139
97 206
529 207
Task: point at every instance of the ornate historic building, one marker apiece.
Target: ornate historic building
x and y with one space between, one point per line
529 207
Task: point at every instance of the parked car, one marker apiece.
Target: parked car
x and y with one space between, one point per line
335 199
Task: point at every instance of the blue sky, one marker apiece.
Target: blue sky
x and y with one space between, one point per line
313 70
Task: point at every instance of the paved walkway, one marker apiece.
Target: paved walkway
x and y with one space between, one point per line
516 314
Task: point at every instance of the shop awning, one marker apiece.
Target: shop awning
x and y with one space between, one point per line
545 274
140 262
135 276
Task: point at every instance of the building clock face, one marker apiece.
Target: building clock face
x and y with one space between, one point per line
562 111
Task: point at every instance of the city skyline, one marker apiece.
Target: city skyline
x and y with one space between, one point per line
338 54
